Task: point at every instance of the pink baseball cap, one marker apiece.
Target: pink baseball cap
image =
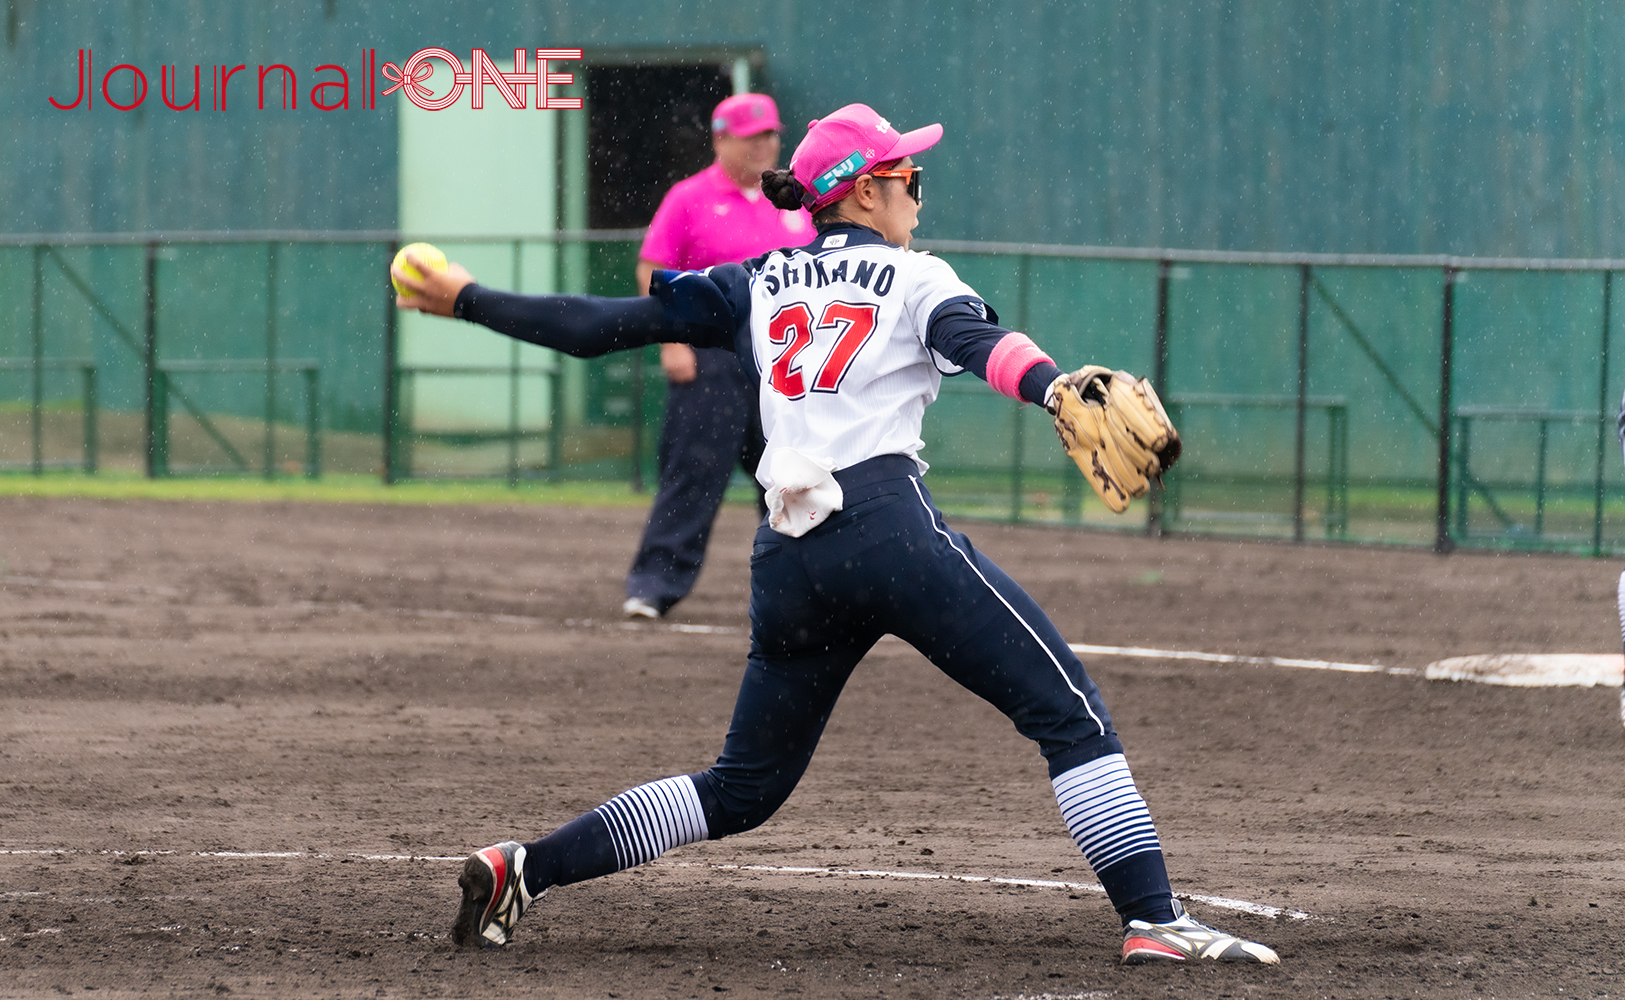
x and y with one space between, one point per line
746 114
849 142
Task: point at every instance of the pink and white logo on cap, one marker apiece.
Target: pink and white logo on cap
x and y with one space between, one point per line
746 114
847 143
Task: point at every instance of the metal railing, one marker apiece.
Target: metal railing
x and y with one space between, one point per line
406 434
159 438
1469 484
1311 289
36 367
1419 389
1335 511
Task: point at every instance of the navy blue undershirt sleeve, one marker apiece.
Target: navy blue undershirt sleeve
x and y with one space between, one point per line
965 330
717 298
1035 384
582 326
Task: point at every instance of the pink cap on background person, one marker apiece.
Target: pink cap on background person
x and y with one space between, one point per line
849 142
746 114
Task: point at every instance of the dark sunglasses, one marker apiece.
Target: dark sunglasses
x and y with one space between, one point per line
910 174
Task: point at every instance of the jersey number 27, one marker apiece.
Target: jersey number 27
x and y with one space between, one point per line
793 327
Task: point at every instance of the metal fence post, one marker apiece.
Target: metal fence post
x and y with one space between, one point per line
391 378
150 362
313 424
513 414
1462 427
37 382
1018 444
1159 381
1540 476
1017 447
89 458
555 421
1442 542
269 457
1299 449
1602 412
406 383
158 453
513 381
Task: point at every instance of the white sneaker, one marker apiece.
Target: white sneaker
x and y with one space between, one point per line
637 607
1184 938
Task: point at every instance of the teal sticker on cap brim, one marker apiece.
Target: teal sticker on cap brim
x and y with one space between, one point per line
826 181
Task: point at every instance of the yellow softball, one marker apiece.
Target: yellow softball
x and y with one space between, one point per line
427 253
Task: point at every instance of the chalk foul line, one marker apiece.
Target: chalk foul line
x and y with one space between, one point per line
1540 670
1223 902
1261 661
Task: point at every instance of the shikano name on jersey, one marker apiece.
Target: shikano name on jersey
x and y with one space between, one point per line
811 273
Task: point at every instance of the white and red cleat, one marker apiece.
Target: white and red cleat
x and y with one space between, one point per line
494 896
1184 938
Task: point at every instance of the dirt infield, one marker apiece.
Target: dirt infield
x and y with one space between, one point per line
299 709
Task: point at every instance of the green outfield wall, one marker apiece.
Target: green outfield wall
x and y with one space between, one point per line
1472 127
207 283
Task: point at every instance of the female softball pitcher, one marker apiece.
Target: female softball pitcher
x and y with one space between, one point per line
847 339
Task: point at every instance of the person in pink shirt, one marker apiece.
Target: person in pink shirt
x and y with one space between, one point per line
716 216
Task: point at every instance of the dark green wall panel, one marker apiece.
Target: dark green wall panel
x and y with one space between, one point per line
1487 127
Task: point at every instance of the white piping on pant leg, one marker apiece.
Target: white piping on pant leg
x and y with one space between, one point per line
1030 631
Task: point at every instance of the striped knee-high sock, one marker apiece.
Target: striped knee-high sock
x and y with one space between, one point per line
651 819
633 828
1110 824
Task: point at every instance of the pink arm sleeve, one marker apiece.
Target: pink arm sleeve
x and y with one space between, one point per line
1012 357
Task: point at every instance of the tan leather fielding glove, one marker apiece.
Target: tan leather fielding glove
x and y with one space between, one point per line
1113 425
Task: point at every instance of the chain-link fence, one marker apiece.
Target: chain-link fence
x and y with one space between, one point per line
1311 389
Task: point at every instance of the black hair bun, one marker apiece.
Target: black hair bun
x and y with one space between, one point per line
782 189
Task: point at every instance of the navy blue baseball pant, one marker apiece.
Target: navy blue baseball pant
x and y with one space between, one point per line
886 563
712 424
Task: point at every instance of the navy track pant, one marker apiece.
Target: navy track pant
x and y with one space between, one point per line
886 563
712 425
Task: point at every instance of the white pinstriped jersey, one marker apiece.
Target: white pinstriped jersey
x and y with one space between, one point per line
838 331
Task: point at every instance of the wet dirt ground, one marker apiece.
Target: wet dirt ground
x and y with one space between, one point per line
243 745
